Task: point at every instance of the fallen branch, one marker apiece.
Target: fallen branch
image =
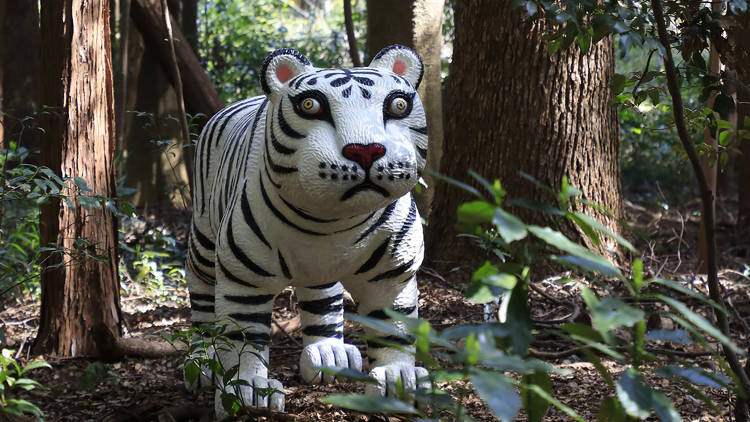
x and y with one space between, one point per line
117 347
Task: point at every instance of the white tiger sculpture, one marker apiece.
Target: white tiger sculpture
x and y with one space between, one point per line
309 186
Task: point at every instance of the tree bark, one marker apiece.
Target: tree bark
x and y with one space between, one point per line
80 293
416 24
512 107
19 71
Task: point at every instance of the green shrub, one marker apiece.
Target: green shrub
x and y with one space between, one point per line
12 380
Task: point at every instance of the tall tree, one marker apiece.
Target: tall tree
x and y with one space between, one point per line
80 288
513 107
417 24
19 88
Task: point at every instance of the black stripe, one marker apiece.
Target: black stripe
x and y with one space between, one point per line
228 161
249 219
303 214
405 227
379 314
323 306
278 146
249 300
326 330
382 219
400 341
268 172
376 256
203 239
323 286
233 277
240 255
206 146
358 224
395 272
263 318
422 152
201 296
284 268
201 308
201 259
422 130
241 146
276 167
204 276
228 114
284 126
281 216
261 339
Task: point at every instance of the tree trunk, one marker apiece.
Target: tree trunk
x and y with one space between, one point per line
417 24
200 94
80 288
512 107
19 71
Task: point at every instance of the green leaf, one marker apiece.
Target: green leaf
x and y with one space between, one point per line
536 406
230 403
664 408
610 313
638 274
580 255
510 227
192 371
673 336
690 292
454 182
498 392
347 373
700 322
473 213
695 375
369 404
596 224
634 396
611 411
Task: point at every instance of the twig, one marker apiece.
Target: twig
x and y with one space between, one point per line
575 310
349 23
289 336
643 75
178 90
707 202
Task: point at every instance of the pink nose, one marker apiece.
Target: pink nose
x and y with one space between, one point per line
364 154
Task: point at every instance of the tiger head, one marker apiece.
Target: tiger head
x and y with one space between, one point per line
344 142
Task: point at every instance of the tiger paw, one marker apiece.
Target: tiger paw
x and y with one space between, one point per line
412 377
260 392
331 353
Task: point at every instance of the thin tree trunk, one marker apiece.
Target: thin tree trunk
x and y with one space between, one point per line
513 108
19 60
200 94
80 298
416 24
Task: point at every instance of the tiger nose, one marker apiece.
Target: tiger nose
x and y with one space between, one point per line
364 154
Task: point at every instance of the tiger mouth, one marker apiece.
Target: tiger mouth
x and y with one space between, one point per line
365 186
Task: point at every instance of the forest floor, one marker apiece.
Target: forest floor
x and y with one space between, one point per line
137 389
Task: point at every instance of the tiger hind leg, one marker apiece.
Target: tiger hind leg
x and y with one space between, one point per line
322 314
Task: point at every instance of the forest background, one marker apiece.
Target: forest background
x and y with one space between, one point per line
569 106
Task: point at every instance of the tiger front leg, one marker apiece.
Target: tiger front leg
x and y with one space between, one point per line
246 309
322 313
389 364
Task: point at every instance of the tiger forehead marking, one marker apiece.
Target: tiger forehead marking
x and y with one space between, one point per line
346 79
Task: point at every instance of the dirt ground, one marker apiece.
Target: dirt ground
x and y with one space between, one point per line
152 389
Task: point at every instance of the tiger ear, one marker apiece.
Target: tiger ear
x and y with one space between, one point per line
402 61
281 66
